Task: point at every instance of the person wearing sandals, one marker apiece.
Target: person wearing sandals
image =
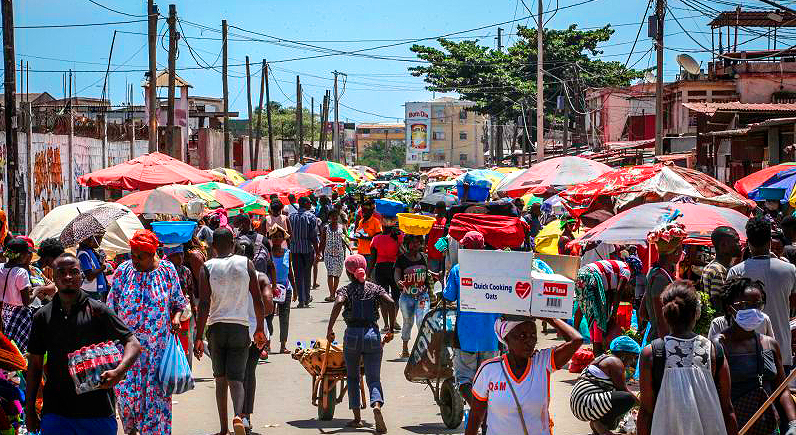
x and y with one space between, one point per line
513 391
333 246
601 396
385 249
415 281
755 359
360 301
284 278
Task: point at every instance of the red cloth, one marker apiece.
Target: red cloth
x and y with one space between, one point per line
146 172
386 248
499 231
437 231
144 240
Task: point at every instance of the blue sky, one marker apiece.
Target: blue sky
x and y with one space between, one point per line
377 86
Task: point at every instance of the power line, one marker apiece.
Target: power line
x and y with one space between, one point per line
114 10
61 26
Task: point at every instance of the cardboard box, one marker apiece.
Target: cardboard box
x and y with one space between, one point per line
552 296
566 265
495 281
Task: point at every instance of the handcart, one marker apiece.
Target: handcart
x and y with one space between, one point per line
431 363
324 361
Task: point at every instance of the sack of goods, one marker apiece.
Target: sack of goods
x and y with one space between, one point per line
312 357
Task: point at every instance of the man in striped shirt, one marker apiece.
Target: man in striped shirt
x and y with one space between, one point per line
303 248
598 290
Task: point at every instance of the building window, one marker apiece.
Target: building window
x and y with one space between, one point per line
462 157
365 131
463 114
462 135
439 112
438 135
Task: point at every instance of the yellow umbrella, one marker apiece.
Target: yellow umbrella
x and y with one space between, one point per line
508 170
547 240
228 175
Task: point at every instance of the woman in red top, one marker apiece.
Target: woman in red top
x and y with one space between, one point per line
385 248
436 259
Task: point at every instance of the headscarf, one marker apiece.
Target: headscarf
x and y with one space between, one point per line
144 240
667 237
28 240
635 263
565 221
223 220
623 343
503 327
356 265
472 240
169 250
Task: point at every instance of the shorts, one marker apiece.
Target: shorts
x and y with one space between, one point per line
384 275
465 364
54 424
229 349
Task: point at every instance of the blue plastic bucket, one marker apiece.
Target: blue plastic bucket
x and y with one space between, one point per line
170 232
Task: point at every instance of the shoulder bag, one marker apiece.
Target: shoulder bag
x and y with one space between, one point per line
748 403
516 400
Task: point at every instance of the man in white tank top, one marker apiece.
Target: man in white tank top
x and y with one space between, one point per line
225 283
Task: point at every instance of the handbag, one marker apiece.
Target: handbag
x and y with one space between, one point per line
516 401
174 373
748 403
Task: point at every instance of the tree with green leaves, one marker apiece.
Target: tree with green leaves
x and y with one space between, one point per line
503 84
383 156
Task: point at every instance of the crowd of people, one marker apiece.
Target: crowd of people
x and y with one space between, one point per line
709 344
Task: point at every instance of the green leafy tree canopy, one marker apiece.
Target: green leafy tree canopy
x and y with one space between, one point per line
382 156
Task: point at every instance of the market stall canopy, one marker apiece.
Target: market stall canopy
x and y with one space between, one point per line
146 172
228 176
281 172
440 174
499 231
306 179
778 176
265 187
550 176
632 226
117 235
250 201
624 188
253 174
154 201
331 171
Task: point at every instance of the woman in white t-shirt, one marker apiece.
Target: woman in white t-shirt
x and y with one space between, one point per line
15 281
515 388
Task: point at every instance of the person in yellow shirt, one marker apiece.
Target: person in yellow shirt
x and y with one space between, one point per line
367 228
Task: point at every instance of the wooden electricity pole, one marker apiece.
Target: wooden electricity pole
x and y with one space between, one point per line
660 12
256 157
12 201
299 127
225 90
249 99
539 86
270 125
312 125
170 148
152 30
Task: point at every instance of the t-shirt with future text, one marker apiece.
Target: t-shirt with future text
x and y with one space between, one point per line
491 385
414 274
779 280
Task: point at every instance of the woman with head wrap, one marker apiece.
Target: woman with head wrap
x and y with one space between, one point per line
668 240
513 391
601 396
568 225
147 297
360 301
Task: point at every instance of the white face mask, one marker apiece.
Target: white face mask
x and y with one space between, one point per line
749 319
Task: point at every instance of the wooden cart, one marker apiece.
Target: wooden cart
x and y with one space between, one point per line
327 381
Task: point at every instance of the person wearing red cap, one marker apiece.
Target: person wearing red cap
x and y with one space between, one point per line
146 296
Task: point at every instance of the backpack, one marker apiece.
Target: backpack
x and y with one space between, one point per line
659 362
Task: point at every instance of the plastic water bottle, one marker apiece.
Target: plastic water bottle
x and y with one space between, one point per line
300 345
334 343
312 344
466 416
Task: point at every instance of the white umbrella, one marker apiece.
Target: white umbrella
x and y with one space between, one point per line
117 236
281 172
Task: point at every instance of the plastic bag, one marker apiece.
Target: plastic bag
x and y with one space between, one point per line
279 293
174 373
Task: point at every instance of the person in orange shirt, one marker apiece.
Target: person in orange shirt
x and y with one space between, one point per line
367 228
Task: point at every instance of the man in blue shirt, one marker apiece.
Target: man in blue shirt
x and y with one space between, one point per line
92 262
476 331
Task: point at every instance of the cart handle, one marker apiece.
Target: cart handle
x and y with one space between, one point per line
325 357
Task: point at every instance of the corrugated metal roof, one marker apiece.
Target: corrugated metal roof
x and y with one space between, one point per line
711 108
754 19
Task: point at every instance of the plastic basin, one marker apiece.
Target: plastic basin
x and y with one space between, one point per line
389 208
170 232
415 224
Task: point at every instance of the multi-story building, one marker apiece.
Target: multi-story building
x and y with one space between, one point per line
443 132
367 134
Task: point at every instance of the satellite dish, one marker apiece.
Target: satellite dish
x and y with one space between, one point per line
688 63
649 77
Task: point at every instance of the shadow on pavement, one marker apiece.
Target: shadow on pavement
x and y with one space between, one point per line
333 426
432 429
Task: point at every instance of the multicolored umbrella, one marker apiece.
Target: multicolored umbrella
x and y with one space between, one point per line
623 188
546 242
550 176
306 179
228 176
214 200
250 175
154 201
90 223
265 187
251 202
331 171
146 172
444 174
632 226
281 172
746 185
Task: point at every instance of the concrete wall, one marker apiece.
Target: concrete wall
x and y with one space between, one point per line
757 89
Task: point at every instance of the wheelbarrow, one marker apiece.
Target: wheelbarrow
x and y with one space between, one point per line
431 363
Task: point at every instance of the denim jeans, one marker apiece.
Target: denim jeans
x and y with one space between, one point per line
302 270
359 344
412 311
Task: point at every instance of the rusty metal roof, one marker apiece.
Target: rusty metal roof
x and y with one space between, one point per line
711 108
754 19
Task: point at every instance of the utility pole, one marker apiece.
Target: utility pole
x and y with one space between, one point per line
170 148
256 157
152 30
498 157
299 150
336 132
539 86
12 152
660 12
225 89
249 99
324 120
312 124
270 126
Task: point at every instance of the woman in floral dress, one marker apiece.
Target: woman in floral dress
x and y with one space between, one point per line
333 247
146 295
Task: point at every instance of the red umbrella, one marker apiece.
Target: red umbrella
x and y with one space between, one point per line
305 179
253 174
146 172
266 186
552 175
445 173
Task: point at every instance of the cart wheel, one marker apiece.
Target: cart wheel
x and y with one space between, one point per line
331 400
451 404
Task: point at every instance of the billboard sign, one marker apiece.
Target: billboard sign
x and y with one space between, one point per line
418 132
